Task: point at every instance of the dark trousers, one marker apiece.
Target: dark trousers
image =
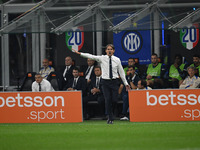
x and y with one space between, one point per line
110 91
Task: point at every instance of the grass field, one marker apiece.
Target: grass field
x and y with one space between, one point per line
97 135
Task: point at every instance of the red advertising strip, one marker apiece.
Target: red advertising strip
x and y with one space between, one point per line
41 107
164 105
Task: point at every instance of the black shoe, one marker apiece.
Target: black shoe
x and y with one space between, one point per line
109 121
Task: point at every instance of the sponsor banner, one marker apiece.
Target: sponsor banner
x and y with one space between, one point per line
164 105
41 107
75 38
189 36
134 42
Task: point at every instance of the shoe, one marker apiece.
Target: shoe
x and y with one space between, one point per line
109 121
124 118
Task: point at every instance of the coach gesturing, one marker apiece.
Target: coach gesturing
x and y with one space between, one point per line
111 66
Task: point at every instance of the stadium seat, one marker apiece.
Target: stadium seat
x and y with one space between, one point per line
55 79
27 82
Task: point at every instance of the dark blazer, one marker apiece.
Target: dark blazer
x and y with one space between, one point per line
84 69
68 75
80 85
93 85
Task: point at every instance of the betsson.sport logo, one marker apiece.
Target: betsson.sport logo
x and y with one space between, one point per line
132 42
36 102
175 100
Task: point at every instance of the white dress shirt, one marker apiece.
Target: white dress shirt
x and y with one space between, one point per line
45 86
89 73
190 83
104 62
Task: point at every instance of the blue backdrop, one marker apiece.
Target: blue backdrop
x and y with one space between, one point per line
134 42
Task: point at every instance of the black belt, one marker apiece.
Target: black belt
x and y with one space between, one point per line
109 79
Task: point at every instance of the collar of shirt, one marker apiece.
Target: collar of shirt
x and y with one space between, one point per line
133 77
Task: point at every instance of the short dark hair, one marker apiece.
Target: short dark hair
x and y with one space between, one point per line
179 56
97 67
143 82
196 55
154 54
38 74
132 66
132 58
76 68
111 45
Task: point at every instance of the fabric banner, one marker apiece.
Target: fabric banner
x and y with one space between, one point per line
135 42
164 105
40 107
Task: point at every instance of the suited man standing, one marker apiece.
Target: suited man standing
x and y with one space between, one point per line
95 93
76 83
111 69
66 71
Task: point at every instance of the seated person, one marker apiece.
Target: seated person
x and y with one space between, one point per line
95 93
66 71
76 83
155 73
46 69
177 72
41 84
89 70
192 81
142 85
132 79
196 64
131 62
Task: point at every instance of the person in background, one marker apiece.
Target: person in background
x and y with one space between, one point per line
131 62
41 84
111 66
66 71
76 83
132 79
89 70
142 85
95 93
177 72
155 73
192 81
196 64
46 69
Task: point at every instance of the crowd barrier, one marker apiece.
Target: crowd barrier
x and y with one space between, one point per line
164 105
40 107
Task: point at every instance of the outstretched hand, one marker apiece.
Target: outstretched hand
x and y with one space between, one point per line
128 88
75 51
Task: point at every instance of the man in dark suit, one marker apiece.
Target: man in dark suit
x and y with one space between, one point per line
95 93
76 83
66 71
88 70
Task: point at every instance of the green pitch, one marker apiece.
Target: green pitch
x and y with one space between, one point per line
97 135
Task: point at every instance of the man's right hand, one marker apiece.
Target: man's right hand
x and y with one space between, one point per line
75 51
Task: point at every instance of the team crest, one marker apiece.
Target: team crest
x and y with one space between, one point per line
75 38
189 36
131 42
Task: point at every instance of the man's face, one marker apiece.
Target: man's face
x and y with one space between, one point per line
196 60
131 62
154 59
178 60
90 62
45 63
110 51
75 73
38 78
191 72
131 71
68 61
139 85
97 72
